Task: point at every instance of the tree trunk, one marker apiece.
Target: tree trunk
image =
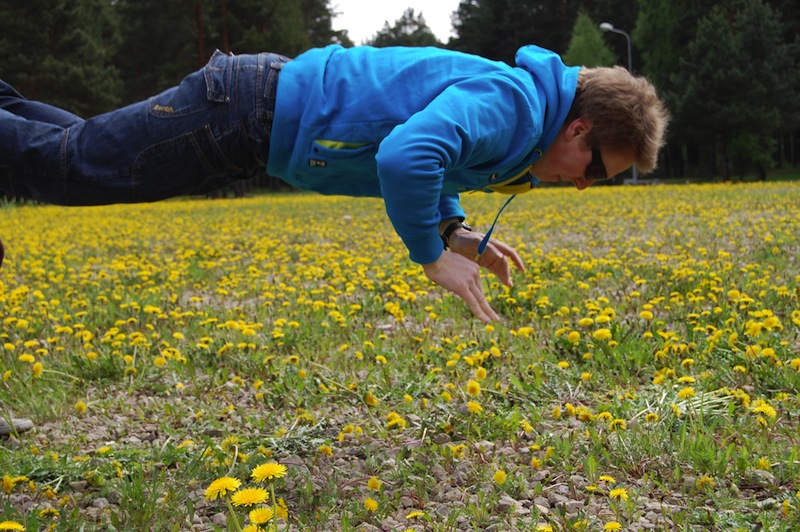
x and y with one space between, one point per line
226 45
201 50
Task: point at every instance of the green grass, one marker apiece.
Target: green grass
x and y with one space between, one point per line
208 337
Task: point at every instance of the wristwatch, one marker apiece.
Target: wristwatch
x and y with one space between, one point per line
449 231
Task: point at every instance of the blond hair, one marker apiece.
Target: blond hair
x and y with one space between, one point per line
625 111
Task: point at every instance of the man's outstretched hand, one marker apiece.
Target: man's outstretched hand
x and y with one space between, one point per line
457 271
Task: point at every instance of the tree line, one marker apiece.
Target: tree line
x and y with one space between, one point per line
727 68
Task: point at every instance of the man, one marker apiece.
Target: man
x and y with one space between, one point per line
415 126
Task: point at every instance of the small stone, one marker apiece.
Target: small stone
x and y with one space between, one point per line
220 519
101 503
506 503
441 438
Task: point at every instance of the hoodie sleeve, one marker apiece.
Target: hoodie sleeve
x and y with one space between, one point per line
471 124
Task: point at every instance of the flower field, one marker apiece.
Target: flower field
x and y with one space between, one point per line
278 362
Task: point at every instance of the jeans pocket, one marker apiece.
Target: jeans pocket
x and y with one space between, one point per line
218 74
192 163
197 91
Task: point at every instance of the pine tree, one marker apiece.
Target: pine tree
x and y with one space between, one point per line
61 52
409 30
587 46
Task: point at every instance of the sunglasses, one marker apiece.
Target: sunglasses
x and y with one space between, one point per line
596 170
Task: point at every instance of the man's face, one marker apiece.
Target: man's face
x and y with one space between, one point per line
567 159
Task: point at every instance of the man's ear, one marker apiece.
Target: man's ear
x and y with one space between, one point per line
577 128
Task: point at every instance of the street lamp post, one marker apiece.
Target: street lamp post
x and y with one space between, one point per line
607 26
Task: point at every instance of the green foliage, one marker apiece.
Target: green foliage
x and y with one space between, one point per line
497 28
409 30
735 79
61 52
587 46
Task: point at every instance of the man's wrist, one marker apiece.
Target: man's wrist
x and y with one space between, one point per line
451 228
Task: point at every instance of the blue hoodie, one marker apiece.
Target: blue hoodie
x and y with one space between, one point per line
415 126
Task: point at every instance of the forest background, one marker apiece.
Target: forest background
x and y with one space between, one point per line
727 68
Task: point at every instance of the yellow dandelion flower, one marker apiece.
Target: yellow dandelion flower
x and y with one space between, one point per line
651 417
80 407
458 451
686 393
500 477
480 373
474 407
536 463
262 515
414 514
374 484
605 416
618 424
249 497
11 525
37 370
612 526
370 504
762 407
268 471
608 478
27 358
282 511
704 482
473 388
764 464
221 486
50 512
619 493
563 364
371 400
602 335
325 449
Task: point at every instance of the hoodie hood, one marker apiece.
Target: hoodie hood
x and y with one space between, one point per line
556 85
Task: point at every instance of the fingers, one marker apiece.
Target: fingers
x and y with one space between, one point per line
477 303
510 252
462 277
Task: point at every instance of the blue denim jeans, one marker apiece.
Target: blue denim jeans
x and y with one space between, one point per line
205 133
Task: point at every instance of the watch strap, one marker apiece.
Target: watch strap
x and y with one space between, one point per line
448 231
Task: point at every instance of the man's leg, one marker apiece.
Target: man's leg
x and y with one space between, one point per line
191 139
13 102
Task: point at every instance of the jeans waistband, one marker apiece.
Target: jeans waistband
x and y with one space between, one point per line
274 63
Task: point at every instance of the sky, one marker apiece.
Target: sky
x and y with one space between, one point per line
364 18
